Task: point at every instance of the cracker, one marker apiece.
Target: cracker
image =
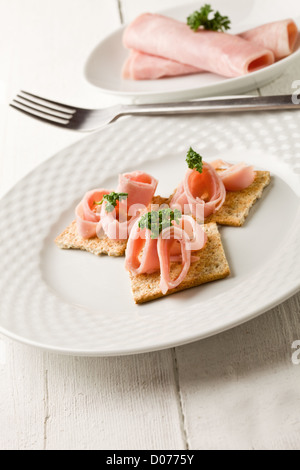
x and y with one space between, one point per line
237 204
212 265
69 239
159 200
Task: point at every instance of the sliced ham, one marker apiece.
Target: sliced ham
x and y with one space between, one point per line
141 66
201 194
279 37
92 220
139 186
145 255
141 252
117 224
235 177
217 52
197 236
88 213
164 245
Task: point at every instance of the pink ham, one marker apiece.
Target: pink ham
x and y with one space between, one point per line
235 177
117 225
141 66
88 214
164 244
202 194
140 241
279 37
145 255
139 186
197 237
93 220
217 52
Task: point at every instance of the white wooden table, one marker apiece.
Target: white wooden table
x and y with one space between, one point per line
236 390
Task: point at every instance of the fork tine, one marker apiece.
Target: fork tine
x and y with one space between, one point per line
40 118
30 108
66 113
62 105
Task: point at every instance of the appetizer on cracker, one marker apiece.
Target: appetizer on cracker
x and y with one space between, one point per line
170 244
219 191
104 218
168 252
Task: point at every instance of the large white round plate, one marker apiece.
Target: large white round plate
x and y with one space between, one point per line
77 303
104 65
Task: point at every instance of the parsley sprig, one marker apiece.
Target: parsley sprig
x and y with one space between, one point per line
203 18
157 221
194 160
111 200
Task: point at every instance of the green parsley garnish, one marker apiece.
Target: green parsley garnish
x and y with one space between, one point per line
111 200
194 160
157 221
203 18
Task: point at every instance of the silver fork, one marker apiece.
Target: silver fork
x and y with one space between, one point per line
81 119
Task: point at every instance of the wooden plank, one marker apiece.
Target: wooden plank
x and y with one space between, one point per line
21 397
113 403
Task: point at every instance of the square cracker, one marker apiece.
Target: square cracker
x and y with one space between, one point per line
238 203
212 265
69 239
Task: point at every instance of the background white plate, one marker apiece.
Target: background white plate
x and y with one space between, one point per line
76 303
104 65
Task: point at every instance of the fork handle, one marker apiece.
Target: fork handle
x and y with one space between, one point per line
253 103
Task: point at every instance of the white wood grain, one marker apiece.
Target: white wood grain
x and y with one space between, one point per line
21 397
113 403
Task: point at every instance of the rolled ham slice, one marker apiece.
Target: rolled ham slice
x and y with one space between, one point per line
88 213
164 244
145 255
141 66
139 186
197 237
235 177
279 37
220 53
117 224
140 241
201 194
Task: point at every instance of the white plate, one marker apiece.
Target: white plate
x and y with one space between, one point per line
74 302
103 67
